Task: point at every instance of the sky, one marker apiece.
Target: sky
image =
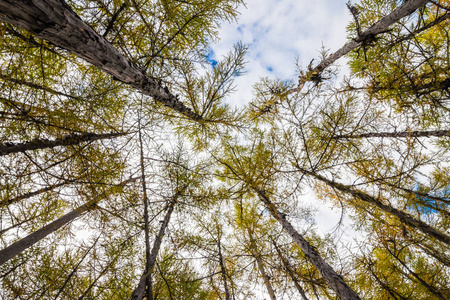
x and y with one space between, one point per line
277 32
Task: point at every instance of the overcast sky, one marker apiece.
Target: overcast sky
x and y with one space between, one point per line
279 31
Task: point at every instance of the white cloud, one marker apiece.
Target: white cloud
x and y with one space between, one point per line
279 31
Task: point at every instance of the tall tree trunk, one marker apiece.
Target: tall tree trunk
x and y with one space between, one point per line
290 272
402 216
334 280
405 9
138 293
223 271
72 139
260 265
31 194
403 134
23 244
56 22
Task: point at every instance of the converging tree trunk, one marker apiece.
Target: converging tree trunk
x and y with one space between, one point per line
290 272
405 9
402 216
223 271
403 134
334 280
31 239
73 139
257 255
138 293
56 22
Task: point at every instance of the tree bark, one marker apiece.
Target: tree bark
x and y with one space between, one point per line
138 293
403 134
223 271
405 9
402 216
23 244
334 280
73 139
290 272
31 194
31 239
56 22
260 265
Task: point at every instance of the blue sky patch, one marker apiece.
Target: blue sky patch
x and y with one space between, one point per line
210 58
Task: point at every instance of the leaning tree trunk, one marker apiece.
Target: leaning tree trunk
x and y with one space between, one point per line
56 22
402 134
73 139
138 293
402 216
405 9
33 193
290 272
260 265
23 244
223 271
334 280
31 239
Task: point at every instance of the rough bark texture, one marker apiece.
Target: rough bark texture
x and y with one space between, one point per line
56 22
73 139
138 293
334 280
402 216
23 244
404 134
290 272
405 9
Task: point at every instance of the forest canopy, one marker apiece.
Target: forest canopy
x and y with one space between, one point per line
126 174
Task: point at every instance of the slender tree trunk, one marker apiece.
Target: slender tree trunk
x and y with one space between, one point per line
223 272
23 244
405 9
72 139
290 272
334 280
429 287
260 265
265 277
31 194
403 134
56 22
402 216
423 195
138 293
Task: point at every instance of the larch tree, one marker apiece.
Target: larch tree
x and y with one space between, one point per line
125 174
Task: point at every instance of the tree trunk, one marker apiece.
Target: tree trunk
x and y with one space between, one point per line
72 139
138 293
402 216
290 272
23 244
56 22
260 265
405 9
31 194
223 272
403 134
334 280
